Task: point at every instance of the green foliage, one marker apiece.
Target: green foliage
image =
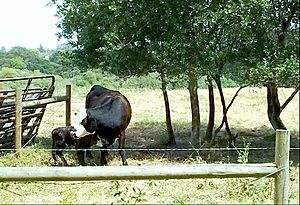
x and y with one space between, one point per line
69 196
6 72
182 199
257 190
243 155
284 72
18 63
149 81
125 194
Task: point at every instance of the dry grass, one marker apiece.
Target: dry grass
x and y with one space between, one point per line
147 129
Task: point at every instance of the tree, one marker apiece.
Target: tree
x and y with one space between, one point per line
132 38
18 63
260 39
2 50
219 23
41 49
190 39
274 60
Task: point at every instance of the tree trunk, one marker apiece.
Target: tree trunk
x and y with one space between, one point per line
195 133
171 140
211 118
217 79
229 105
274 108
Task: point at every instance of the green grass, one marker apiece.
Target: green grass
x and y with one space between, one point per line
147 129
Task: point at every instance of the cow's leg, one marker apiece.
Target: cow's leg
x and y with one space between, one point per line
103 161
54 154
121 146
89 154
80 156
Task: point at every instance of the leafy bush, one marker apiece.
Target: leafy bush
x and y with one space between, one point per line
229 83
8 72
150 81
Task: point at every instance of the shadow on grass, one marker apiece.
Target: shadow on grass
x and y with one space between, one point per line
154 135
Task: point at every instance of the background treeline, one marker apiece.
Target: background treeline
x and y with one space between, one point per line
20 62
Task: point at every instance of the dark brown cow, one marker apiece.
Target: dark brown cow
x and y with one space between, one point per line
108 113
65 136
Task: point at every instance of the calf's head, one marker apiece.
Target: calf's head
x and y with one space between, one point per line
63 135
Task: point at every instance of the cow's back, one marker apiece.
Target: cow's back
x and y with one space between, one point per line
97 96
108 111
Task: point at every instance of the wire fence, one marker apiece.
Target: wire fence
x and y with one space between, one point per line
150 149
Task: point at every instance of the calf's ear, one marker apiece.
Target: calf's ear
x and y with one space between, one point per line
73 134
60 135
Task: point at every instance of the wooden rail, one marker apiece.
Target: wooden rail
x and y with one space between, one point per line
135 172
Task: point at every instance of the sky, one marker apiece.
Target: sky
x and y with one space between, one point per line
28 23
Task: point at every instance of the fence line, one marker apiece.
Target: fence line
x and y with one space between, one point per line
150 149
279 170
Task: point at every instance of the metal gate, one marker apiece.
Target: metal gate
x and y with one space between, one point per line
31 116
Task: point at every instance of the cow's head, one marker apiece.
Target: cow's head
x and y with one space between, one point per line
78 122
82 126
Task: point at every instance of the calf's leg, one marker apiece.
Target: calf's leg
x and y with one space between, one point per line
54 156
60 154
89 154
56 153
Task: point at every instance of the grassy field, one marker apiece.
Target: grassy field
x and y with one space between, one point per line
147 129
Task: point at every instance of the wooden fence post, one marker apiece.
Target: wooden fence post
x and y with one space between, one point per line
18 120
282 148
68 105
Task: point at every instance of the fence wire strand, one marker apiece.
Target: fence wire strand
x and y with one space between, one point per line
146 149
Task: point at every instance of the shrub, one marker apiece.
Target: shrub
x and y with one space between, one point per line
8 72
150 81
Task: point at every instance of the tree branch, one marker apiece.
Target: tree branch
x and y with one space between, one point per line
229 105
290 98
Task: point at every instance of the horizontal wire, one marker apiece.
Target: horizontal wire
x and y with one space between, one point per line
150 149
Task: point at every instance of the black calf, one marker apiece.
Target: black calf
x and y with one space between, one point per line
61 138
64 136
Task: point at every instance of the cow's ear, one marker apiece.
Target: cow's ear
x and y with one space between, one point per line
86 124
93 124
83 122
